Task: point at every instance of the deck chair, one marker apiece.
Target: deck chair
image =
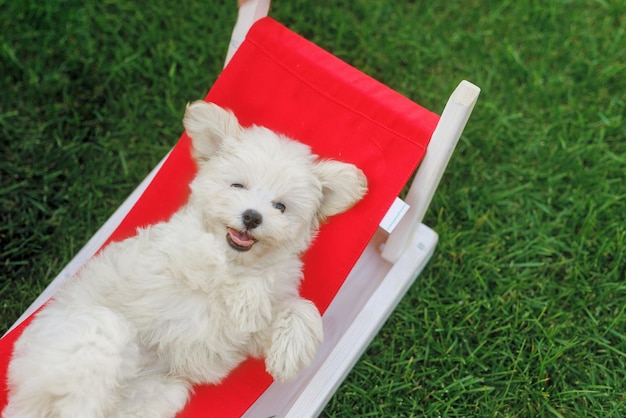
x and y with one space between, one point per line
357 270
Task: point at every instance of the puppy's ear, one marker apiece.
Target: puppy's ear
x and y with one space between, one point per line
207 125
342 186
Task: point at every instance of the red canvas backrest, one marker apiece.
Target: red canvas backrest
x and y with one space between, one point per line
280 80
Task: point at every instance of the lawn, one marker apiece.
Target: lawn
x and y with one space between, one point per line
521 311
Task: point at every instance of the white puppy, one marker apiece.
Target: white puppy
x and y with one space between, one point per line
185 301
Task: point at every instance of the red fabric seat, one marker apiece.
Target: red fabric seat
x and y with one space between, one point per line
280 80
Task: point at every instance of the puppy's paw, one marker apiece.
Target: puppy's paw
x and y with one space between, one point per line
296 334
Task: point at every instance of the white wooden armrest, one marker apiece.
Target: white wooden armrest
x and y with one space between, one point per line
368 296
447 133
249 12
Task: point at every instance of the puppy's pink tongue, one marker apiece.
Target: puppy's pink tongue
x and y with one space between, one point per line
241 238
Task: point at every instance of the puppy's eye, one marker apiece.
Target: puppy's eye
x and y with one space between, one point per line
279 206
237 186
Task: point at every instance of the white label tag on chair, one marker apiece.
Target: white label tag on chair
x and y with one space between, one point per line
397 210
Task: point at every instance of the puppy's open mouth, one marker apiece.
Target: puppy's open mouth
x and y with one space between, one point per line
239 240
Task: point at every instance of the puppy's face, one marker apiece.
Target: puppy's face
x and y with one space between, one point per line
261 191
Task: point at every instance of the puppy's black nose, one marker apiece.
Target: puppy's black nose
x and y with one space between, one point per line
251 218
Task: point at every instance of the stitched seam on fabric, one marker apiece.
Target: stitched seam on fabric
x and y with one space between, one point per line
341 103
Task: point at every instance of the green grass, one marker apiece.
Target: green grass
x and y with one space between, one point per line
520 313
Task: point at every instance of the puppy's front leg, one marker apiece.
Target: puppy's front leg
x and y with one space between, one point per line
296 334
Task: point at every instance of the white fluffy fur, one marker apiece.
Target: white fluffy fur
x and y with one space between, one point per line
176 305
